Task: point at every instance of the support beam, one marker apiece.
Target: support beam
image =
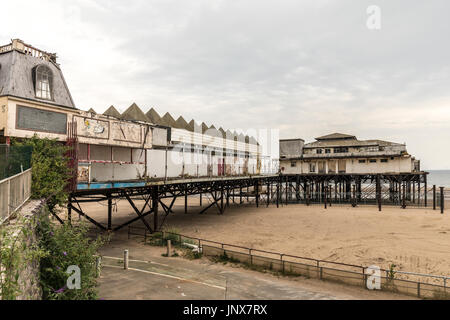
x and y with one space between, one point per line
155 200
69 209
80 212
139 213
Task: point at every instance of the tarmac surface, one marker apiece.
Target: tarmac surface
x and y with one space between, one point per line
151 276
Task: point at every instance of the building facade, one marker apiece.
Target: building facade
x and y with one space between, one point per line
112 147
339 153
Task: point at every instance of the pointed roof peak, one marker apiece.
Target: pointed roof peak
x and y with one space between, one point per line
153 116
112 112
169 120
92 111
204 127
182 124
134 113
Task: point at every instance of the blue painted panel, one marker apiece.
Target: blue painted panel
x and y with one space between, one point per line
84 186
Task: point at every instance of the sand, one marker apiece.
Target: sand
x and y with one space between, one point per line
415 240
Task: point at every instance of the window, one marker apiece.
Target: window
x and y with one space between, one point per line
327 150
312 167
318 150
373 160
43 82
362 161
293 163
384 160
341 150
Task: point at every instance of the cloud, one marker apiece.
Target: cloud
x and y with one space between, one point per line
308 68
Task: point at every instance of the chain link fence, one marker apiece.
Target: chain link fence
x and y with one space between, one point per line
14 160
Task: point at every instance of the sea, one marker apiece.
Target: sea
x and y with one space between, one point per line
441 178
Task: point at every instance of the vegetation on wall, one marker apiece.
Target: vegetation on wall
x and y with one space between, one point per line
67 245
18 251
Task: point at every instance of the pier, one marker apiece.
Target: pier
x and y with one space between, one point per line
404 190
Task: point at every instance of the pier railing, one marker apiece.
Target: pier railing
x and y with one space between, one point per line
14 192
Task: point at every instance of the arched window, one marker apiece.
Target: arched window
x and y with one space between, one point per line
43 82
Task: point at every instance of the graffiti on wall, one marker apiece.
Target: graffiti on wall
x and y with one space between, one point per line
92 128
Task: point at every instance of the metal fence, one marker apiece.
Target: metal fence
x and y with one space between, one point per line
423 285
14 192
14 159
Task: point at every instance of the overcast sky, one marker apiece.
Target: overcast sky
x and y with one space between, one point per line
308 68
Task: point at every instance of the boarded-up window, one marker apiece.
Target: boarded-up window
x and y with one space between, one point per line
342 166
41 120
332 166
321 166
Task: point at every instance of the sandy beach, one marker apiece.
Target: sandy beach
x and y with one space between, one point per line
414 239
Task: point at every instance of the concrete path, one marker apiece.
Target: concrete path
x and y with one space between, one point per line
152 276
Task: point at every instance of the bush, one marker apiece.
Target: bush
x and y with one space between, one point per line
50 170
67 245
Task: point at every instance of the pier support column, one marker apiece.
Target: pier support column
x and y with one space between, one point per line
69 209
426 191
308 195
185 199
221 199
155 200
257 193
286 190
240 194
404 195
378 191
434 197
418 193
278 193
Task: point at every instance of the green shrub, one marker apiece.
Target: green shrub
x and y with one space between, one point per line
50 170
67 245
